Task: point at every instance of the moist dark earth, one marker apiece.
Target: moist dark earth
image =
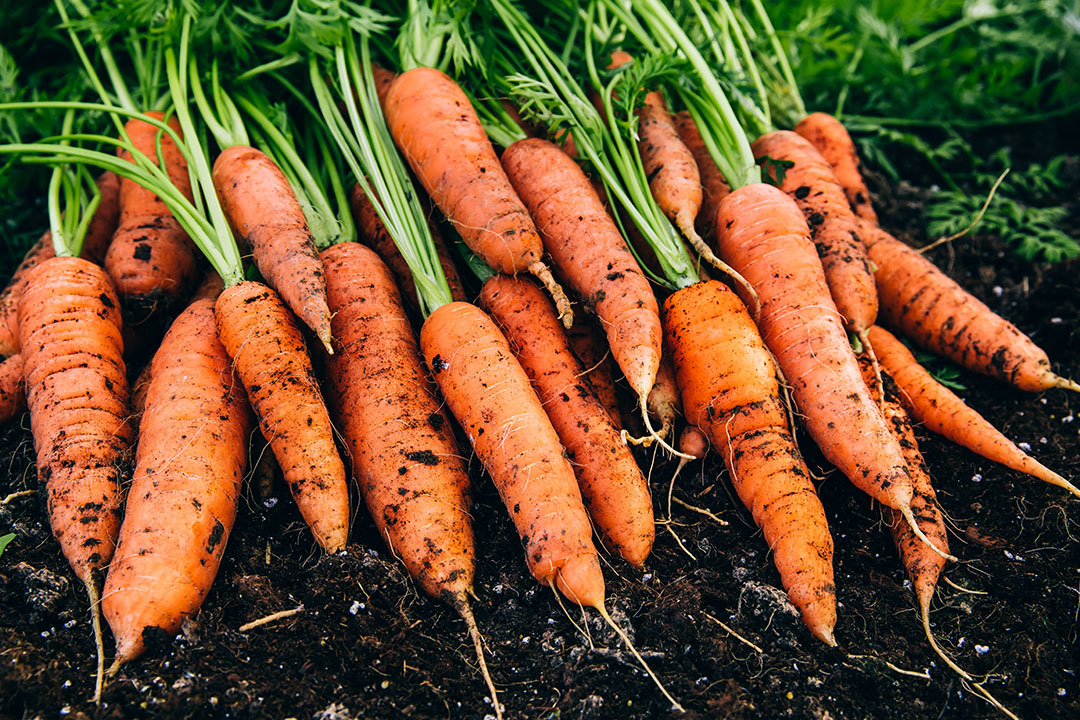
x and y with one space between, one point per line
368 645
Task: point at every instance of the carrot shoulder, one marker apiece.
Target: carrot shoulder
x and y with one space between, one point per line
832 140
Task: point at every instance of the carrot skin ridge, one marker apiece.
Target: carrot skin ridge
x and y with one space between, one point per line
190 461
613 489
410 471
269 356
490 395
834 143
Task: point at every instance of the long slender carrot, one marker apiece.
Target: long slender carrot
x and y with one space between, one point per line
734 398
437 130
12 388
713 185
589 344
939 409
190 461
932 309
832 140
613 488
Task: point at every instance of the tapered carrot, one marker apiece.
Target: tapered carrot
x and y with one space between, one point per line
832 140
612 486
12 389
730 392
437 130
939 409
713 186
268 354
151 259
664 400
191 459
590 346
932 309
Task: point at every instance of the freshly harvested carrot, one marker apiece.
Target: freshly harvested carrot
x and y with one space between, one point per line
138 394
384 78
12 390
832 140
191 458
589 344
263 210
613 488
939 409
438 131
729 391
268 354
664 400
413 477
151 259
713 185
587 249
932 309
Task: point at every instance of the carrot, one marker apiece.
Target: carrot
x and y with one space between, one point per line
190 461
734 398
613 489
151 259
831 139
437 130
263 210
940 410
138 394
12 389
932 309
268 354
98 235
587 249
664 400
713 186
763 234
590 347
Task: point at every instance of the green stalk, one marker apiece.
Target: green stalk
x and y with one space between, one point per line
781 57
113 70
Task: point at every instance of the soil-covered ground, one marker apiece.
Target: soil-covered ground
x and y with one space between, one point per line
708 616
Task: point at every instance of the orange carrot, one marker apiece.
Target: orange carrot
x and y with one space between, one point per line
734 398
190 461
12 391
664 400
940 410
831 139
713 185
590 346
151 259
932 309
263 210
438 131
612 487
268 354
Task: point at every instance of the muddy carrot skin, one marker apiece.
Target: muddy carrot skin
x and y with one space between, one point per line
268 353
929 307
588 250
151 259
589 344
490 395
263 210
713 186
440 135
411 473
832 140
674 179
12 390
613 488
191 458
77 392
730 392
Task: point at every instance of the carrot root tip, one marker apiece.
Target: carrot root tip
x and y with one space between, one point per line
626 640
562 303
656 436
461 604
95 620
910 517
1066 383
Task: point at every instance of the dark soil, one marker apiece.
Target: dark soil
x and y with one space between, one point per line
368 645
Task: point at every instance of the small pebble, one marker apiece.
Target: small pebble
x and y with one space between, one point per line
1043 441
1055 320
977 477
961 641
981 649
998 291
1067 418
1061 692
356 607
1026 447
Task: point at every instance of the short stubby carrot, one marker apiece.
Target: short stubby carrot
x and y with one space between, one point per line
930 308
589 252
77 392
151 259
190 461
834 143
730 392
812 184
589 344
613 488
713 185
490 395
263 210
413 477
12 390
269 355
439 133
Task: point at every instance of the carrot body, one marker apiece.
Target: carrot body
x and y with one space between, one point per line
190 461
151 259
490 395
77 392
587 249
263 210
939 409
590 346
714 187
268 354
932 309
831 139
410 471
730 392
674 179
665 402
12 389
763 234
612 487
